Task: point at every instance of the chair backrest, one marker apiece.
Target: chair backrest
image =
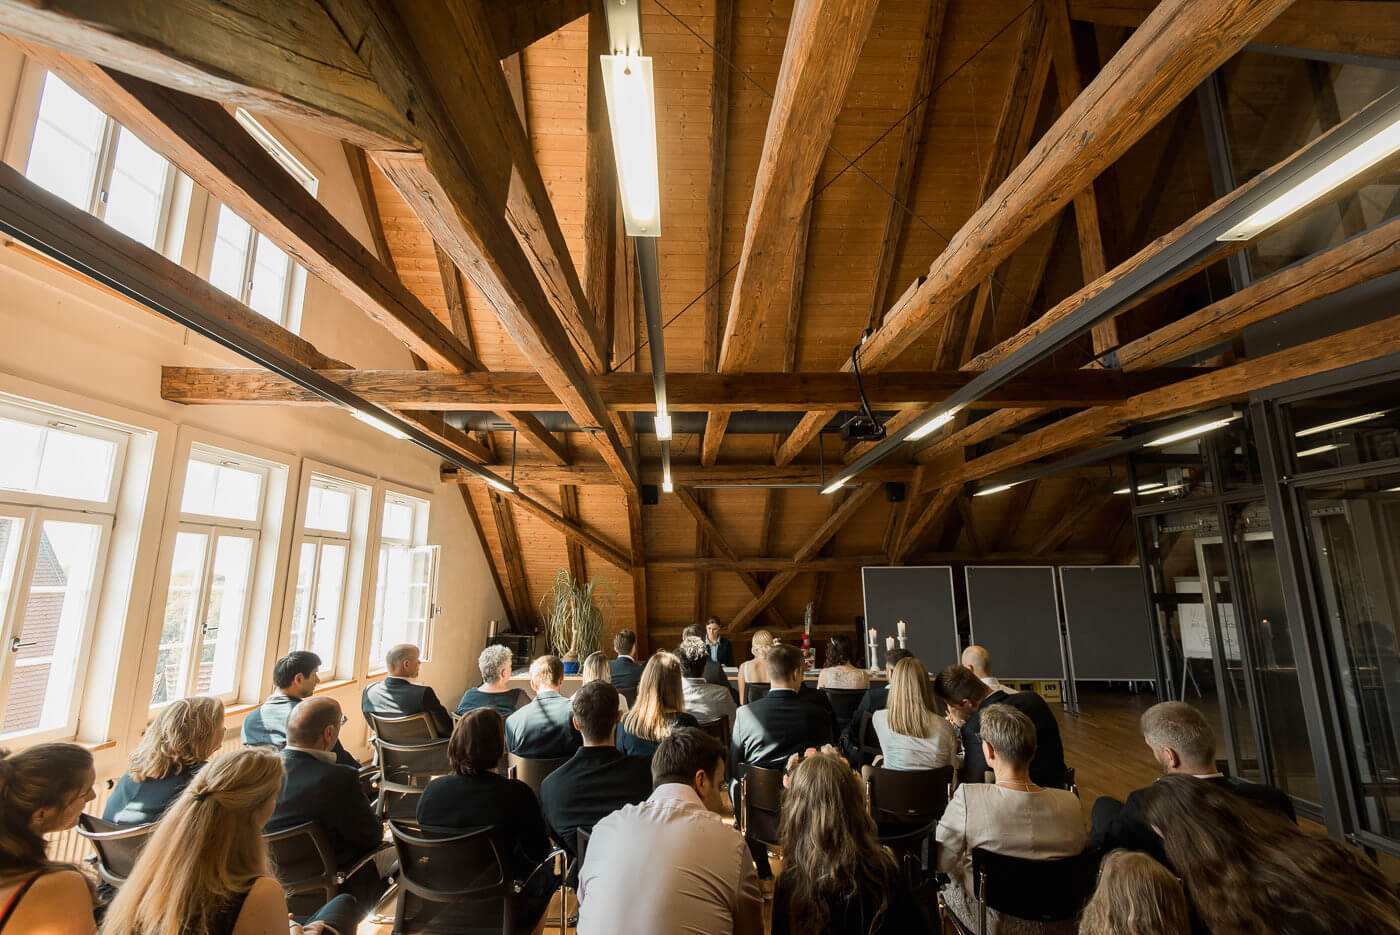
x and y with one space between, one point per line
630 694
867 740
413 765
410 729
117 846
913 795
754 691
532 772
762 793
1051 890
844 702
718 729
303 862
458 872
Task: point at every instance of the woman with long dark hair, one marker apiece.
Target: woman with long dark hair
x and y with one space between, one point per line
42 791
840 671
837 877
660 707
1247 869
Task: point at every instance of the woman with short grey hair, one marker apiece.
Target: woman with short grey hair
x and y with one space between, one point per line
493 692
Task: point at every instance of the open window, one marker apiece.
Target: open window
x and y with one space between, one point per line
405 594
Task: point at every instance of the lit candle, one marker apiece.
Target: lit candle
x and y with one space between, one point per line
901 628
889 643
872 634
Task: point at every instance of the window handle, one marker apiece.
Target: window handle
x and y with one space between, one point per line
16 645
206 629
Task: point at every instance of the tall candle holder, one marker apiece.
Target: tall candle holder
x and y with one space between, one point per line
871 662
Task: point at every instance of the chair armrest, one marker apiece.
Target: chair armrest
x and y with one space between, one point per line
549 858
342 875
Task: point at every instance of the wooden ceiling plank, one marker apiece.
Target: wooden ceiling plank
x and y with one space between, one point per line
573 531
519 23
600 188
364 191
712 532
1084 502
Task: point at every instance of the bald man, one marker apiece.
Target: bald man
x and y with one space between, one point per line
320 790
397 696
980 662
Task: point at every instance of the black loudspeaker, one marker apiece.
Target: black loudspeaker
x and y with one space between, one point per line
894 491
651 495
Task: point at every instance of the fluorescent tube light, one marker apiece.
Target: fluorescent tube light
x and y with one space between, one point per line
834 485
1320 449
1154 487
1349 164
631 96
938 421
1341 423
666 484
380 424
502 486
1192 432
663 427
991 490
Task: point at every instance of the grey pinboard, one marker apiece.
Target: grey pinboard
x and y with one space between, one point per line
921 596
1110 635
1013 612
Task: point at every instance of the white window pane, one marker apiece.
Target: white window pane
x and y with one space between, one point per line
23 445
270 269
67 139
236 496
230 252
398 520
330 587
44 680
77 466
181 617
376 629
327 508
11 532
135 195
301 603
201 478
228 596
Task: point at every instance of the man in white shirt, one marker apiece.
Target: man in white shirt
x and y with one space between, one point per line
705 700
671 864
979 661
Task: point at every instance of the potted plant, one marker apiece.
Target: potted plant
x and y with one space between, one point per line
572 618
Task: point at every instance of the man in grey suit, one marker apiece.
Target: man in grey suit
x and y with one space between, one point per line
544 728
397 696
624 672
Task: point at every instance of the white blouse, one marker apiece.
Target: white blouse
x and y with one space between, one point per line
905 752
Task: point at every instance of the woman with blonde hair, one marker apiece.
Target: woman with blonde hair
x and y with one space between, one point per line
43 790
595 668
181 739
836 876
912 735
1135 896
660 707
205 869
753 670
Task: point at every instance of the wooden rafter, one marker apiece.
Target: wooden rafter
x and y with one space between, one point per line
574 532
721 545
510 557
722 41
568 506
475 517
935 510
600 239
1083 502
746 474
517 24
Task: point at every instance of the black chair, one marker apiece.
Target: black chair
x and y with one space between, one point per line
117 846
718 729
304 864
452 881
404 771
754 691
630 694
1070 784
844 703
867 740
408 730
761 804
1034 891
532 772
906 806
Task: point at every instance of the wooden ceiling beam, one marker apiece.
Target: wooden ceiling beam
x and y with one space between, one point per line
519 23
761 565
721 54
475 518
511 558
568 507
635 539
721 544
599 188
1083 502
748 474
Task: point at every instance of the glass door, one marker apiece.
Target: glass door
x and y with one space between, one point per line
1223 611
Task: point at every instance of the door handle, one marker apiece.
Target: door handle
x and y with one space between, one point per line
16 645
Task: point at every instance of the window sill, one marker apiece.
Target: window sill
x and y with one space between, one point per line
98 747
332 686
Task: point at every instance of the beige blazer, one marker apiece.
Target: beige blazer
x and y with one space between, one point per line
1046 823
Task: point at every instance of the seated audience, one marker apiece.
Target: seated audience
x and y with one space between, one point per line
1136 896
205 869
704 700
967 698
625 672
183 736
474 796
43 790
595 669
776 726
599 778
544 728
836 877
295 678
494 665
714 671
659 709
319 789
397 696
719 647
1013 816
753 669
1183 744
839 671
671 864
875 698
912 735
1249 869
979 661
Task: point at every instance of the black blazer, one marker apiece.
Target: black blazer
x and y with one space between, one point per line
267 725
773 728
725 656
1128 828
506 703
632 745
330 795
596 782
876 698
625 672
396 697
489 800
139 803
543 729
1048 767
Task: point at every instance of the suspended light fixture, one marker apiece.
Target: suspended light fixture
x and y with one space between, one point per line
377 423
631 94
991 490
1192 432
1342 423
1320 449
937 422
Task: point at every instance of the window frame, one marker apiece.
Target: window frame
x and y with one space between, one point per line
293 289
421 501
50 416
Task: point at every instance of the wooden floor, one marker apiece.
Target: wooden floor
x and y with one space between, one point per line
1102 744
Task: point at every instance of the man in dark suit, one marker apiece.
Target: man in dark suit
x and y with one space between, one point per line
876 698
966 695
320 790
544 728
770 730
598 779
714 671
1182 743
720 649
397 696
624 671
295 678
